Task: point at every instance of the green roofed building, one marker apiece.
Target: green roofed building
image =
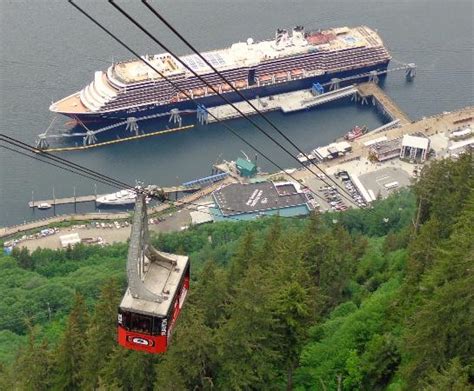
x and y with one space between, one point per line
245 168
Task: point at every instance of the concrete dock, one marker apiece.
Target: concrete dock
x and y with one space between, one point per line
305 99
287 103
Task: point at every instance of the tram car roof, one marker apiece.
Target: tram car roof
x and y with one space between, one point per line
162 280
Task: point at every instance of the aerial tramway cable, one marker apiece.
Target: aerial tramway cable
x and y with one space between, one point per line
259 112
226 126
242 114
58 166
37 155
68 163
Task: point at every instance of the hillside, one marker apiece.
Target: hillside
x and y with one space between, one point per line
376 299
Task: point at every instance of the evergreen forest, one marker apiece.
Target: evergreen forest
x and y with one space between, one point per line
376 299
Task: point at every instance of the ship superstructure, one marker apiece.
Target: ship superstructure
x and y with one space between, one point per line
293 60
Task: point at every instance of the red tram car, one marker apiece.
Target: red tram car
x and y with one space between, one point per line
158 283
148 325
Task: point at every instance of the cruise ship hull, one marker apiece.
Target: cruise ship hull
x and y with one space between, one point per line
214 100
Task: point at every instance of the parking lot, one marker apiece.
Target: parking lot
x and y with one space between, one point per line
384 181
329 197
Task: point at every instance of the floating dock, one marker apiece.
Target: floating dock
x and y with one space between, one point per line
93 197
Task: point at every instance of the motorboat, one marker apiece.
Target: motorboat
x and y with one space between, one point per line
122 197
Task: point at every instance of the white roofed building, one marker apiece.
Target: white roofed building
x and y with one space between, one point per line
415 148
69 240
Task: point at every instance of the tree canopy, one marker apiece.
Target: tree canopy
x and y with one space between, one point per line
347 301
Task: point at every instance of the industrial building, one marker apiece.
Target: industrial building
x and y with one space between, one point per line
249 201
415 148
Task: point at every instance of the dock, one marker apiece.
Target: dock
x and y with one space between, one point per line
382 101
294 101
93 197
429 126
287 102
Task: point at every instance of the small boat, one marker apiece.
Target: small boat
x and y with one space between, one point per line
355 133
122 197
44 205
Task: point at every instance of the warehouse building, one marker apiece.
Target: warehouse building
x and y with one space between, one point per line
249 201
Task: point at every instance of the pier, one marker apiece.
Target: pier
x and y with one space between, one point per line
382 101
294 101
93 197
287 102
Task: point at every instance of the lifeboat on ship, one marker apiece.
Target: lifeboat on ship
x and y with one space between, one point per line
226 87
295 73
265 79
281 76
182 96
240 84
198 92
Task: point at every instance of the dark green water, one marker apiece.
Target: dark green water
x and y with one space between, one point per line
49 51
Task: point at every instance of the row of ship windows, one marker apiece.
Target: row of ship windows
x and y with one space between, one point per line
199 84
141 95
214 78
318 64
322 59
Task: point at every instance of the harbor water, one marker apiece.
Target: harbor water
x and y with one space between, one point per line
50 51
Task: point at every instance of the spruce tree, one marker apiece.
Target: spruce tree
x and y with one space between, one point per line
101 336
247 348
69 355
32 369
189 364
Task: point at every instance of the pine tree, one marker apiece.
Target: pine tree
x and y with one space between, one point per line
101 336
247 350
128 370
189 363
210 293
244 255
442 327
33 367
272 241
292 312
69 356
454 377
